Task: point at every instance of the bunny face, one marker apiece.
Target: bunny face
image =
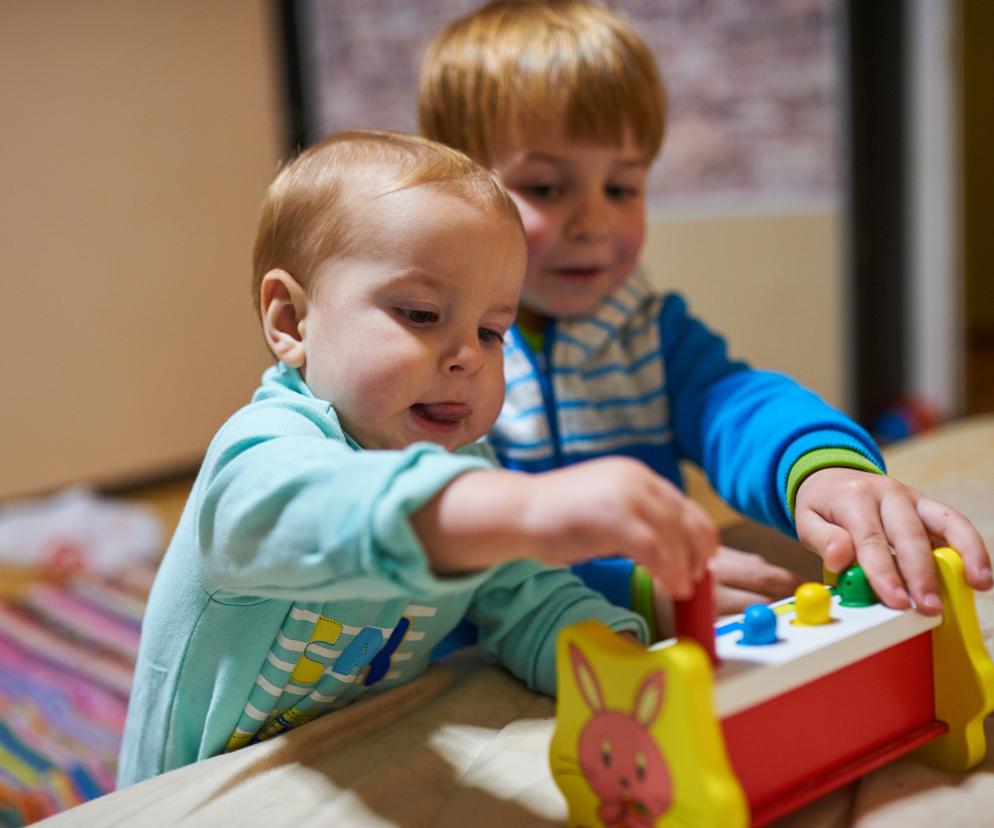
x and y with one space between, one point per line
626 770
618 756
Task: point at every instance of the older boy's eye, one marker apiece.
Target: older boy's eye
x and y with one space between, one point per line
621 193
488 336
542 190
418 317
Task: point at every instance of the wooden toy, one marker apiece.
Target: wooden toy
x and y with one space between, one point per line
808 694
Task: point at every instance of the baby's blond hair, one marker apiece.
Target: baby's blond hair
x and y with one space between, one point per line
513 69
316 205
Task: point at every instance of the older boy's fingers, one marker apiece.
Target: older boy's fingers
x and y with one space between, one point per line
874 555
832 543
956 531
861 518
752 573
731 601
912 550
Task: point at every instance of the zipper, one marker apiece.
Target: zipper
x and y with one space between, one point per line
540 363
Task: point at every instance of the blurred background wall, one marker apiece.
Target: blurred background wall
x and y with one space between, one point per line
138 138
141 135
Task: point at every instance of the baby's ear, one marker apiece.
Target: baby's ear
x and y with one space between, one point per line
283 305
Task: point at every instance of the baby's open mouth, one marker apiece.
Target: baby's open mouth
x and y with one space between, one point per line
443 415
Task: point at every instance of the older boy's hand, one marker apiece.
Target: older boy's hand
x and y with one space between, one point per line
890 530
744 578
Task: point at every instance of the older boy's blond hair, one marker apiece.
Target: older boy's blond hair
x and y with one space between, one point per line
315 209
513 69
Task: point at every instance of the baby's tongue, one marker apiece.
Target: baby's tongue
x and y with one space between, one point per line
445 412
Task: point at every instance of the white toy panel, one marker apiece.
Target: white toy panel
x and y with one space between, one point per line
750 674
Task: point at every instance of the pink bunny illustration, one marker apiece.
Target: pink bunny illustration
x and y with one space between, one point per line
618 756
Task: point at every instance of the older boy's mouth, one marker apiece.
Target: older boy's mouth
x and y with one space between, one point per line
440 416
579 273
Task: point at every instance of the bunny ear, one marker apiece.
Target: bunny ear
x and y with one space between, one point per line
649 699
586 681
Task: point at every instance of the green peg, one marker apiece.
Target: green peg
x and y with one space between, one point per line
854 588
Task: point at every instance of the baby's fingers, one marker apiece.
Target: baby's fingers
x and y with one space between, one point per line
702 536
664 553
948 524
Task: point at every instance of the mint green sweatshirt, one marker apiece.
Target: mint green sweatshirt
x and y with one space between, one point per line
295 584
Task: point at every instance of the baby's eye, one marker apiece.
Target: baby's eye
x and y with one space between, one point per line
489 336
419 318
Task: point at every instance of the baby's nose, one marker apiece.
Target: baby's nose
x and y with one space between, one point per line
464 357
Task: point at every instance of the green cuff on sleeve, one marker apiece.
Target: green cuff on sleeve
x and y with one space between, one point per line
826 458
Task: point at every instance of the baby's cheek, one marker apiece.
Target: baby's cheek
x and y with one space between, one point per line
493 402
373 390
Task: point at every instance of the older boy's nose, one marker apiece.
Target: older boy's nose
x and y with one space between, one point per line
589 218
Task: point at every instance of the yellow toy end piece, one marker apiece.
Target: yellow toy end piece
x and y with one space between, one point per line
829 578
963 673
637 741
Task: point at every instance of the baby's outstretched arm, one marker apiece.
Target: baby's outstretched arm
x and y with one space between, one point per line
591 510
848 516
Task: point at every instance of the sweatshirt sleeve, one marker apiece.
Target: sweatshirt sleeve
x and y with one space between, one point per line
745 428
286 510
522 607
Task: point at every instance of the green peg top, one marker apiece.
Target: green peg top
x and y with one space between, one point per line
854 588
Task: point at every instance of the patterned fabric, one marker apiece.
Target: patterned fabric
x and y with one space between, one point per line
643 378
606 383
317 664
67 652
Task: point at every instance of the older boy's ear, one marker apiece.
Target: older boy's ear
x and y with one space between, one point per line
283 305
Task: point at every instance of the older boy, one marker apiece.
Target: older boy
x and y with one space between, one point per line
346 519
564 101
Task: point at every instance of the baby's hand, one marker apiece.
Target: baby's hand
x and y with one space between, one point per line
846 515
617 506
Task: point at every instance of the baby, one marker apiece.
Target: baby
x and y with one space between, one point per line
347 518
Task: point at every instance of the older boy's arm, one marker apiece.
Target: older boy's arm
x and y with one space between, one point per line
745 428
847 515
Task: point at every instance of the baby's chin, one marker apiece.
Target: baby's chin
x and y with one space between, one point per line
450 444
